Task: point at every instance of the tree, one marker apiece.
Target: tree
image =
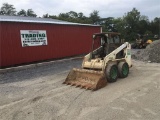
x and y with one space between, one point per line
31 13
108 24
73 14
80 15
94 16
45 16
22 12
131 22
155 26
143 26
53 16
120 26
63 16
7 9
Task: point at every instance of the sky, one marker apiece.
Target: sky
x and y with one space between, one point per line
106 8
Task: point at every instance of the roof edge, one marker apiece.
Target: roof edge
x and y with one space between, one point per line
47 22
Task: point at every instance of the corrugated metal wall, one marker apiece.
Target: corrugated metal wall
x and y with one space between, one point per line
63 41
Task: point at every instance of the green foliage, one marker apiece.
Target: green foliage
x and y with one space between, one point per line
131 24
31 13
7 9
45 16
94 17
143 25
135 23
155 26
22 12
71 17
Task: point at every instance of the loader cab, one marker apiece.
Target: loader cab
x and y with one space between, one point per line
108 38
108 41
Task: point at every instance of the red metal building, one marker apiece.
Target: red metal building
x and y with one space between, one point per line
64 39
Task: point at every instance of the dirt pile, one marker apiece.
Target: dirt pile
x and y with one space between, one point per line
150 54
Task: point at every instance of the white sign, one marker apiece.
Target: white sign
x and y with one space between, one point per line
33 37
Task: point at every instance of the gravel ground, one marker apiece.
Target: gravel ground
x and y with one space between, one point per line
150 54
38 94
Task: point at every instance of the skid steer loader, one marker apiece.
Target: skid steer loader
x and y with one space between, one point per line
103 64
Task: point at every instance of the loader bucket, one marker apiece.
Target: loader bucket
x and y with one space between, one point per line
88 79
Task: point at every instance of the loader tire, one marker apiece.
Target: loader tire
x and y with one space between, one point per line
123 69
111 73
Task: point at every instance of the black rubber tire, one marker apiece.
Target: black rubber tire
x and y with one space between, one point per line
109 73
123 73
